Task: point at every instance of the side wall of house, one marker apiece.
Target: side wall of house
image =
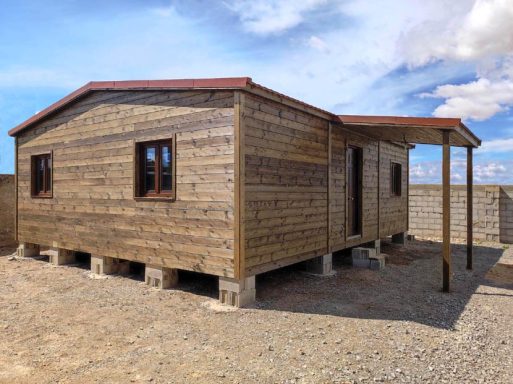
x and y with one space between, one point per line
338 234
93 209
286 179
393 210
293 165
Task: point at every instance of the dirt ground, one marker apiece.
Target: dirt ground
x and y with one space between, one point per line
64 325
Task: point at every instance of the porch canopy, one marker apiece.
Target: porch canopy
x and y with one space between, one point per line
428 130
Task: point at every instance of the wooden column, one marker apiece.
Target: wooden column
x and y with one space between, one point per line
470 207
446 206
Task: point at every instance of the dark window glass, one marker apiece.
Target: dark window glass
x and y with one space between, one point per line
42 175
165 169
149 183
155 169
48 175
396 179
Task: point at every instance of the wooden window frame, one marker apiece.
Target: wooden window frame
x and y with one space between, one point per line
396 171
139 158
47 192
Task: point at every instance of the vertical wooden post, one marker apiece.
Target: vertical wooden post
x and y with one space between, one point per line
239 186
329 194
16 171
446 204
470 207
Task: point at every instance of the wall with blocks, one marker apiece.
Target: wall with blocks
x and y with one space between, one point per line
493 212
7 204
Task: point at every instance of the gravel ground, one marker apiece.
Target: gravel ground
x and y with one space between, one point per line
64 325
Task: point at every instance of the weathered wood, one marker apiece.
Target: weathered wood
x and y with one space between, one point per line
470 208
446 208
93 208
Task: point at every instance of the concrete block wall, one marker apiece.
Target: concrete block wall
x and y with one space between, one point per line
7 208
493 212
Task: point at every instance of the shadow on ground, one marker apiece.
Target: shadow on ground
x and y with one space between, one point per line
409 288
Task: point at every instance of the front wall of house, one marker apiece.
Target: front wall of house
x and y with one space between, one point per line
93 209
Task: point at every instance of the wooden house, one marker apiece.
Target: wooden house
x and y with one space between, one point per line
220 176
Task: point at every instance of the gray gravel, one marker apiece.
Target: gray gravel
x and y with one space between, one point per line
60 324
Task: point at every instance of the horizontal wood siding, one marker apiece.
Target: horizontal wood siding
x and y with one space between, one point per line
286 183
340 140
93 209
393 209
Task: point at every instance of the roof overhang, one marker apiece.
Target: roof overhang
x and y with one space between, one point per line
413 130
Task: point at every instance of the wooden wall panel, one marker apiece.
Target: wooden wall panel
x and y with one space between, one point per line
393 215
286 181
93 209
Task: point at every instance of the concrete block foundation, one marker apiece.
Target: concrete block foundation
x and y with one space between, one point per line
60 256
238 293
322 265
103 265
28 250
400 238
160 277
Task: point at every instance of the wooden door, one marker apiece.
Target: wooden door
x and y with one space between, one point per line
354 191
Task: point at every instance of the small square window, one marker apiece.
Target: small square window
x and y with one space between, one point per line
41 175
395 179
155 169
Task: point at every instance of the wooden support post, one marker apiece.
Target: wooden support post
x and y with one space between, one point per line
470 208
446 208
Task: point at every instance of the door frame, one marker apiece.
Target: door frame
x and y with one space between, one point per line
359 151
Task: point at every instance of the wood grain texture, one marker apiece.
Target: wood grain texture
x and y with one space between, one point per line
93 209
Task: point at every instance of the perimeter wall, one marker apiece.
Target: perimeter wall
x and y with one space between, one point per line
493 212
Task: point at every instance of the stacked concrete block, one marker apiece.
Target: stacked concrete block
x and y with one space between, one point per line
160 277
322 265
237 292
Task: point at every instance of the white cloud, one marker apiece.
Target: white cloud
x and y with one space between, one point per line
481 32
486 172
496 146
272 16
477 100
318 44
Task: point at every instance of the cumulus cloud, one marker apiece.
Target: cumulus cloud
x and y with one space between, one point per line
484 36
486 172
477 100
497 146
265 17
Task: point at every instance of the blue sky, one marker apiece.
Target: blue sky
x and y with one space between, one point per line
437 58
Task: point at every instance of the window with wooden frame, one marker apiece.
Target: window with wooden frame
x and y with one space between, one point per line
41 175
155 169
395 179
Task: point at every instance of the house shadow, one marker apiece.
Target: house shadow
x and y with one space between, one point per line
408 289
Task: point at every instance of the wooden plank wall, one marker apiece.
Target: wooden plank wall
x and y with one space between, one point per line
340 140
286 185
393 213
93 209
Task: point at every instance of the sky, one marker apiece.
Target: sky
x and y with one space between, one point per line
441 58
